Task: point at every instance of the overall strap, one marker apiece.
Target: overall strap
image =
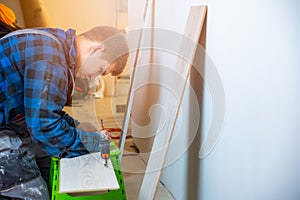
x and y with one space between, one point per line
33 31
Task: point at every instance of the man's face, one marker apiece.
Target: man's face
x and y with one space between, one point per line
93 66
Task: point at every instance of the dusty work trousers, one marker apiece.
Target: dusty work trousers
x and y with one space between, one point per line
22 165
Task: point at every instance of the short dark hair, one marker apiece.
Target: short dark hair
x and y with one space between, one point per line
115 45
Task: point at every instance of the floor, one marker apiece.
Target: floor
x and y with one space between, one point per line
111 111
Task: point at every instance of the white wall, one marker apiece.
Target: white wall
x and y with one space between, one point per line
254 46
81 15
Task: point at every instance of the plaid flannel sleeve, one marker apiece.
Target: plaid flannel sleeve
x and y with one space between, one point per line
44 97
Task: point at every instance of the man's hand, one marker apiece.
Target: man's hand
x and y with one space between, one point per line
87 126
105 135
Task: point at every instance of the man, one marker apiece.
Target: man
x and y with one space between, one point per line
37 70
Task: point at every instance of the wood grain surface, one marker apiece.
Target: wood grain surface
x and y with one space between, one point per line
86 173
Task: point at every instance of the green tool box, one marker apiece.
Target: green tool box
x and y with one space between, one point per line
110 195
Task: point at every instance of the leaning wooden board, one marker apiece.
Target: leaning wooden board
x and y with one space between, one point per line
85 174
161 142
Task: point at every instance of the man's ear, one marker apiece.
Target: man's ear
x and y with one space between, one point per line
96 47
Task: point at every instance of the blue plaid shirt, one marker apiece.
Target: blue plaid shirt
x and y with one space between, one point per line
34 81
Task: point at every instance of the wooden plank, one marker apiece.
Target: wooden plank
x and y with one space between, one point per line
147 13
162 140
85 174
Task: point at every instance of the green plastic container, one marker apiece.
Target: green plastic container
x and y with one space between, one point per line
110 195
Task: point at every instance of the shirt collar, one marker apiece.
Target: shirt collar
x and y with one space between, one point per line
70 40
